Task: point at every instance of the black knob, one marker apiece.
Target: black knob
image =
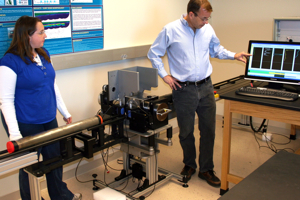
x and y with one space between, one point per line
94 175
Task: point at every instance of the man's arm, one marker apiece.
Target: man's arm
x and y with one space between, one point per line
156 51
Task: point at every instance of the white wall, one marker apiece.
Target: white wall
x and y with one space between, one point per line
137 22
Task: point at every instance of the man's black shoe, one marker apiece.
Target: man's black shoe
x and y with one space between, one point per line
188 171
210 178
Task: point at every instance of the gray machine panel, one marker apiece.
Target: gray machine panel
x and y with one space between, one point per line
148 77
122 83
131 82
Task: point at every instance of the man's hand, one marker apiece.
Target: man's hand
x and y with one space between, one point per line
172 82
242 56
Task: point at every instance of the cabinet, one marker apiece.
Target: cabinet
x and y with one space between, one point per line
287 29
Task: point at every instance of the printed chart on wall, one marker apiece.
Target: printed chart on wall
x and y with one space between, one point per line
71 25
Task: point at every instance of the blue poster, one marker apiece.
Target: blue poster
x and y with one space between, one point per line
70 25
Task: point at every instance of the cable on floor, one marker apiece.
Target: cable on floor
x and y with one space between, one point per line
261 126
76 174
269 143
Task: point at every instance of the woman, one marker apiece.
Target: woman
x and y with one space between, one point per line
29 98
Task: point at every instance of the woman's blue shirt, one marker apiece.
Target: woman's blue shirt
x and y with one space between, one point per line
35 100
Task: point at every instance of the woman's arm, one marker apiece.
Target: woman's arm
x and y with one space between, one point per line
61 105
8 80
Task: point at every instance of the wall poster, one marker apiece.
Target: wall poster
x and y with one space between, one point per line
71 25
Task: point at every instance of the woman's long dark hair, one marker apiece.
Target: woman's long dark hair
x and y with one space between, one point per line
20 45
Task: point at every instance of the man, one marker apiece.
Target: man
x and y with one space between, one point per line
189 42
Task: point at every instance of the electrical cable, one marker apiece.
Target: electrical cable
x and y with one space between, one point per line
100 110
143 111
262 124
272 146
105 168
76 173
103 162
138 106
139 185
120 161
269 144
107 165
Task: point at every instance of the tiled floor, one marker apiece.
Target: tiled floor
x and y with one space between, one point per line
246 156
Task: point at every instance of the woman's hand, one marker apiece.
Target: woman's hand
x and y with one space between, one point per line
69 120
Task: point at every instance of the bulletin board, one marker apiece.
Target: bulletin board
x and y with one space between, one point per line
70 25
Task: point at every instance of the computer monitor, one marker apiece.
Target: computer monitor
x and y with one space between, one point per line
275 62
